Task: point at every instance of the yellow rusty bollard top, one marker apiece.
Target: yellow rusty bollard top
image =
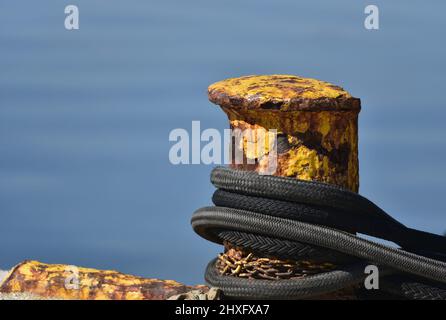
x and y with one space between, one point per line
316 119
281 92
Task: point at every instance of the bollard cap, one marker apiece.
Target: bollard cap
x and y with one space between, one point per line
281 92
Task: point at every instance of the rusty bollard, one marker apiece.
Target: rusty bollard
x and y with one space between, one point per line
316 122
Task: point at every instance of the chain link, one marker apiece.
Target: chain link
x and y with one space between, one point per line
243 264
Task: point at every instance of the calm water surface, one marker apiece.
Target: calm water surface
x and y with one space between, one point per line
85 117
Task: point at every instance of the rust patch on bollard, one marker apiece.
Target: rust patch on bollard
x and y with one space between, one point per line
69 282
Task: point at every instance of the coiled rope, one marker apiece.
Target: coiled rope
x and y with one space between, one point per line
296 219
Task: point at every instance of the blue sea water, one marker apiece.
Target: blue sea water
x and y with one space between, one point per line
85 116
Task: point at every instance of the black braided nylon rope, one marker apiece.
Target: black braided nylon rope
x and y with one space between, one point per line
207 221
333 197
413 288
204 221
285 289
283 249
275 221
285 209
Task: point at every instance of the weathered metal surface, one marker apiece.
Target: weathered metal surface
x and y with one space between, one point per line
69 282
317 123
281 92
317 120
